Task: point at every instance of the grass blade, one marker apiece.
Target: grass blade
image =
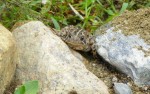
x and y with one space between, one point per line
56 24
124 7
110 12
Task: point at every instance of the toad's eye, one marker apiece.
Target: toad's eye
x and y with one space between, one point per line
82 38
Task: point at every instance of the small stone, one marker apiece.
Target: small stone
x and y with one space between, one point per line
114 79
145 88
121 88
129 84
94 65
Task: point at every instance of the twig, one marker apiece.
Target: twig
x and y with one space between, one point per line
76 12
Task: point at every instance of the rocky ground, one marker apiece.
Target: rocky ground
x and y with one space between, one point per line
109 74
105 71
130 22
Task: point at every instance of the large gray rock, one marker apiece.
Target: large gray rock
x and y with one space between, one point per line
121 88
45 57
121 51
7 54
126 45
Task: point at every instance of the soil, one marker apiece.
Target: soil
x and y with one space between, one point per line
135 23
108 74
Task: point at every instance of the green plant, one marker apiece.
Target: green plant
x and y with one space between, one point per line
88 14
112 11
17 10
30 87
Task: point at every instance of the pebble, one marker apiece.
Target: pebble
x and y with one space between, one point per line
121 88
114 79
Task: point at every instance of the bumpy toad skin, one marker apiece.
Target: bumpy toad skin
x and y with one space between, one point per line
76 38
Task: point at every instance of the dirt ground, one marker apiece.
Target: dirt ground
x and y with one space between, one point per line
135 23
108 74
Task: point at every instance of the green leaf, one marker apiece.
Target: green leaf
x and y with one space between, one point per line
110 12
110 18
64 21
34 3
2 8
45 9
148 4
20 90
131 4
55 23
31 87
124 7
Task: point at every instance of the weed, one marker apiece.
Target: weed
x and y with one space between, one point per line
88 14
30 87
